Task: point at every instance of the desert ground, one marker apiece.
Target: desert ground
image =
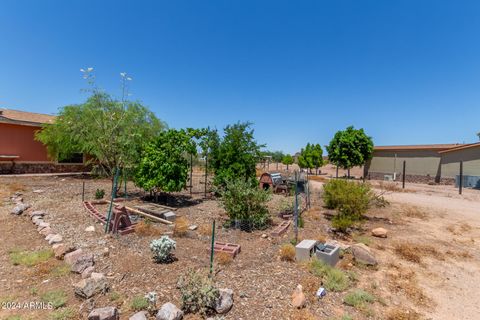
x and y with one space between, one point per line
428 266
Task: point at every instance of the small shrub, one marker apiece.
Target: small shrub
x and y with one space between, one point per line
223 258
114 296
342 222
401 314
358 298
58 298
246 204
287 252
60 270
408 252
162 249
205 229
198 293
30 258
99 194
62 314
139 303
414 212
350 198
147 229
333 279
181 227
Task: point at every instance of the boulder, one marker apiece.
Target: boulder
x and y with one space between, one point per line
46 231
379 232
56 238
142 315
73 256
42 224
49 236
37 213
20 208
37 220
61 250
362 254
87 272
169 312
298 297
224 302
106 313
87 288
82 263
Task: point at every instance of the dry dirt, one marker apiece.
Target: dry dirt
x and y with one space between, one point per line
443 226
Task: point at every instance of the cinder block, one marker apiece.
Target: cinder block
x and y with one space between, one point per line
305 249
328 253
170 216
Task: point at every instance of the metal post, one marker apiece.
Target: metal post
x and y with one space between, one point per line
114 191
403 174
211 248
191 173
296 208
125 180
336 175
206 174
460 183
83 191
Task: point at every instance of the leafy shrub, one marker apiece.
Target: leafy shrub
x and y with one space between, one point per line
287 252
358 298
99 194
139 303
162 249
246 204
333 279
351 199
198 292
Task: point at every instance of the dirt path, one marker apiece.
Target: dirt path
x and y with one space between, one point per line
454 220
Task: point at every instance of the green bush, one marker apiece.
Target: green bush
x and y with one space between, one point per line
246 204
198 293
162 249
99 194
358 298
139 303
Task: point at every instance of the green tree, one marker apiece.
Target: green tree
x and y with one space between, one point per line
235 155
350 148
110 131
276 156
164 164
287 160
311 157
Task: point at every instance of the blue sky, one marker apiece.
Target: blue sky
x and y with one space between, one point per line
408 72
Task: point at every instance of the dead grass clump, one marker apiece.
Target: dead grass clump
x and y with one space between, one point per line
223 258
402 314
459 254
287 252
403 280
205 229
310 285
303 314
16 187
459 229
147 229
181 227
414 252
389 186
414 212
46 267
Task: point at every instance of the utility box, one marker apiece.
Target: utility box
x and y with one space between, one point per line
305 249
328 253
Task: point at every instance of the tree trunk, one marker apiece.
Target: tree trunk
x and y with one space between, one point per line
348 173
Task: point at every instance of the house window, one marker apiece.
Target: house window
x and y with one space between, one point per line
75 158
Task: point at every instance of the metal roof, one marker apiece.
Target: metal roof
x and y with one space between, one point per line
25 118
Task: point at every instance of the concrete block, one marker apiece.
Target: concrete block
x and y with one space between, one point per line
170 216
305 249
328 253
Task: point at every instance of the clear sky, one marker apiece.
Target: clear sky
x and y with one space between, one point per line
408 72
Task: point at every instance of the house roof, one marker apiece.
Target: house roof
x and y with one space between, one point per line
436 147
461 147
25 118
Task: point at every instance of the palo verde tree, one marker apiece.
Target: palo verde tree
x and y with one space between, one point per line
287 160
235 155
164 163
350 148
311 157
110 131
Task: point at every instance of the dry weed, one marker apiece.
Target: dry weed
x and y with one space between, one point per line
147 229
287 252
457 230
303 314
402 314
389 186
310 285
403 280
223 258
414 252
181 227
205 229
16 187
414 212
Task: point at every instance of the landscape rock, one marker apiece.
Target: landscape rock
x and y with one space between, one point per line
90 229
38 191
193 227
87 272
20 208
46 231
56 238
87 288
362 254
61 250
106 313
169 312
73 256
224 302
379 232
37 213
37 220
142 315
42 224
82 263
298 297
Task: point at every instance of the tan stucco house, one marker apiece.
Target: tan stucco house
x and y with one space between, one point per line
435 163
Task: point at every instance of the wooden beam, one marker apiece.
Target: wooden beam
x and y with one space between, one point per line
154 218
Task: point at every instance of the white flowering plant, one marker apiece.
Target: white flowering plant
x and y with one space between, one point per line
162 249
